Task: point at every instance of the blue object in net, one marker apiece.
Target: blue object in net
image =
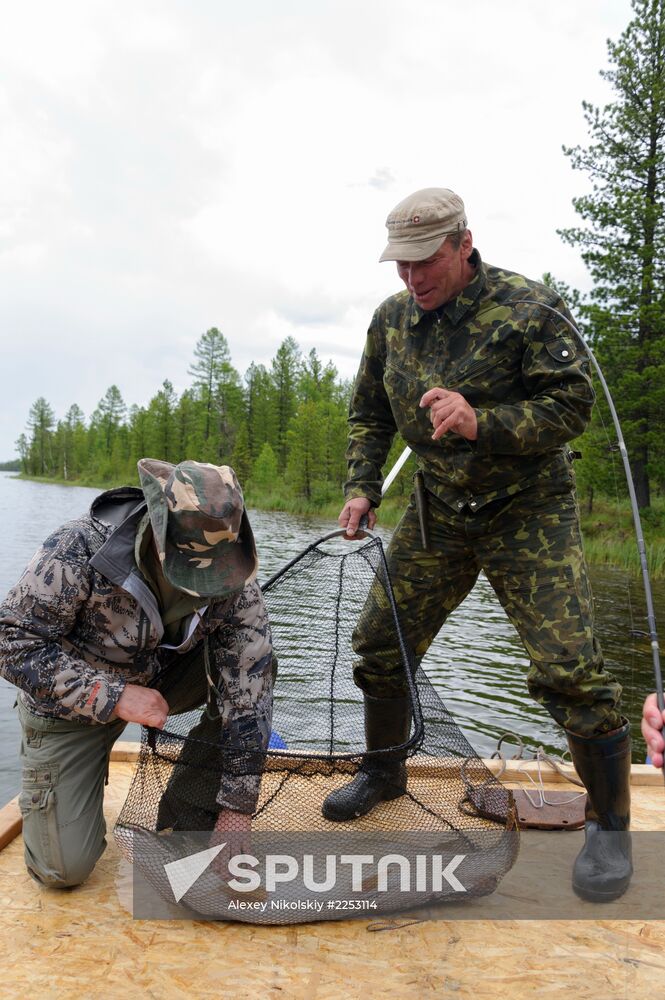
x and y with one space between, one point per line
276 742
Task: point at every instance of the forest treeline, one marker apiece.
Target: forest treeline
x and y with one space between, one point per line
282 426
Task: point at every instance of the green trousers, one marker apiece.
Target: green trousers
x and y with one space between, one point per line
529 547
65 767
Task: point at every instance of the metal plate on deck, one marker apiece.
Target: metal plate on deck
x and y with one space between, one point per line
561 810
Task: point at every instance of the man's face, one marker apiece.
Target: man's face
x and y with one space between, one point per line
441 277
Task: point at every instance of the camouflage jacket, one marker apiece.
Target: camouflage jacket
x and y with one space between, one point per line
521 368
82 622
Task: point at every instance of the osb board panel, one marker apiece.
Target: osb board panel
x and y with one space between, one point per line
641 774
83 943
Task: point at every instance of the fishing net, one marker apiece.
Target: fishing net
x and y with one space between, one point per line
449 839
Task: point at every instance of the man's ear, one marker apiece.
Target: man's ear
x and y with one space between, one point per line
466 246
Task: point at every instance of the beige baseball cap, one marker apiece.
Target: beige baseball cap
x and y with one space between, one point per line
419 224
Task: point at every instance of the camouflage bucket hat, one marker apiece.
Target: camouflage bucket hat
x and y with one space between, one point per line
420 223
203 536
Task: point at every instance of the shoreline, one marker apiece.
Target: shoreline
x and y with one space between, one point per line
608 531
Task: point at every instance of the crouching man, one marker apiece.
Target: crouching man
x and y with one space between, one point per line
146 606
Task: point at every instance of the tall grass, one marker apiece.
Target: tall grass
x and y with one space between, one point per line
624 554
610 540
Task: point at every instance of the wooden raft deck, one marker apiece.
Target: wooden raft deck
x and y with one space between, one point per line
84 943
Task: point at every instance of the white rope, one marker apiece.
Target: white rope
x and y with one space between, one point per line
541 757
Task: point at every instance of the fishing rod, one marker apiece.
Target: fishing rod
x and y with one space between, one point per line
641 547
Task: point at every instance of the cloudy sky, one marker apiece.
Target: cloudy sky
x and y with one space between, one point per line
172 166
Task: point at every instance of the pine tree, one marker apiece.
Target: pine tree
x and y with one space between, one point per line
161 426
304 439
241 460
41 420
623 241
258 396
284 372
264 474
71 442
188 430
211 354
23 449
138 435
107 417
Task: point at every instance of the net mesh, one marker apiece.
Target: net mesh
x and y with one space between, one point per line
318 743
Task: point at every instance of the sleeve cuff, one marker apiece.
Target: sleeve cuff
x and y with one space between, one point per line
364 493
239 795
99 699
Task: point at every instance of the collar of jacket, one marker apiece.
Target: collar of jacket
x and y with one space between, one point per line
119 511
455 310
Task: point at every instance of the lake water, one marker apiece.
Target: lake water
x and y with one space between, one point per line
477 663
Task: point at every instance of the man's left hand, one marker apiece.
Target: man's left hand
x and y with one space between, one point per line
234 830
449 411
652 730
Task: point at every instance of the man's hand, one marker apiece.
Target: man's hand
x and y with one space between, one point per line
233 829
351 513
652 725
449 411
143 705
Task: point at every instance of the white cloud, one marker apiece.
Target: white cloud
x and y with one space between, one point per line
176 166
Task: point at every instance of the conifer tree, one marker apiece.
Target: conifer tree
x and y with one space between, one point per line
258 396
623 239
285 370
161 427
71 437
138 436
107 418
211 354
23 450
187 427
305 448
41 420
264 473
241 460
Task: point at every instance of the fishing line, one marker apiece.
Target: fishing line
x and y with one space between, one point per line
641 548
634 632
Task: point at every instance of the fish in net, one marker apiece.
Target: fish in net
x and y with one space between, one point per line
448 839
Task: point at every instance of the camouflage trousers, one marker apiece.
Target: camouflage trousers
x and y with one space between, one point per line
530 548
65 762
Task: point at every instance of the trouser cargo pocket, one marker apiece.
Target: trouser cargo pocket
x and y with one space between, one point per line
41 836
64 766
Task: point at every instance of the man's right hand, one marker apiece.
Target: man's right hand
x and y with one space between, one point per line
143 705
351 513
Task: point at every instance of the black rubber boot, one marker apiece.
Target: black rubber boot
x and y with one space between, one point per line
380 778
604 866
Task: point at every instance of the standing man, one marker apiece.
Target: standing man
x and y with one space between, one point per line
145 606
487 387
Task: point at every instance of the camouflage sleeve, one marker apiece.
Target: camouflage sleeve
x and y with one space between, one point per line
559 395
243 663
37 614
371 422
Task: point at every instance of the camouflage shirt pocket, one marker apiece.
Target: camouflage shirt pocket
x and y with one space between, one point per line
561 350
405 390
487 381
